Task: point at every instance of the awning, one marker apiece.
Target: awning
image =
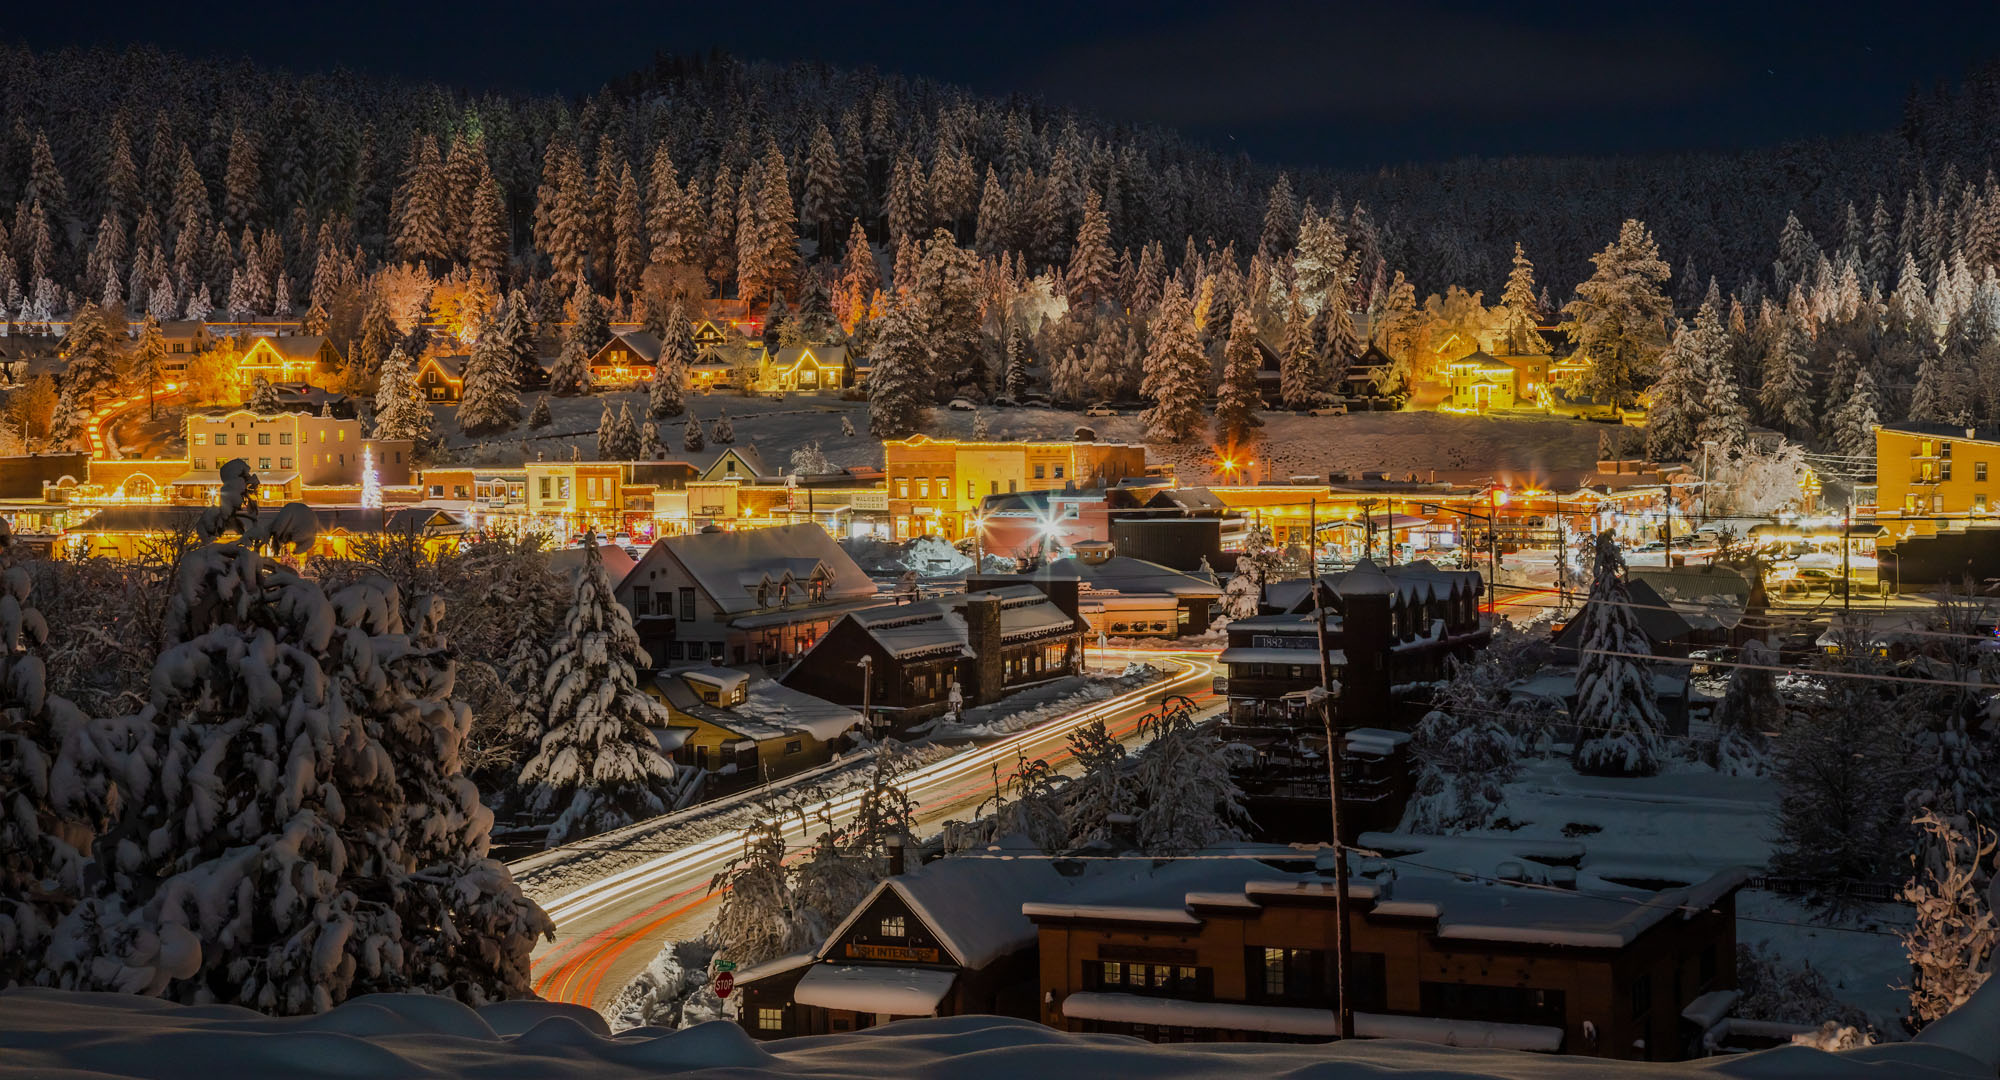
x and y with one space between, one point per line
1216 1015
867 988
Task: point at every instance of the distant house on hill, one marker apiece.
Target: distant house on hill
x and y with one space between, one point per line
298 358
806 368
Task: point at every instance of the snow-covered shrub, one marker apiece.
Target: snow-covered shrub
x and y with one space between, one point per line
1771 988
1461 767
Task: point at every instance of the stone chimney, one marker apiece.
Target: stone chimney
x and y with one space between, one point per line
982 636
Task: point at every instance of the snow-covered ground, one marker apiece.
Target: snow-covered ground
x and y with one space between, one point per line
105 1036
1289 444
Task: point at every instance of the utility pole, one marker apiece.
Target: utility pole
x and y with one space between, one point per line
867 666
1846 545
1342 945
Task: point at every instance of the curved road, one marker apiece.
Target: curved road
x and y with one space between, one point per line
608 931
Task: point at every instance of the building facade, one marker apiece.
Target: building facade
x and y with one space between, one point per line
935 485
1932 478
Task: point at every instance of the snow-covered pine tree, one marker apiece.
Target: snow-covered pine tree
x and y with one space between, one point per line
1619 318
1299 382
1748 709
607 435
649 442
723 432
1943 394
1676 403
1187 793
1617 715
95 347
1841 815
1725 422
264 397
58 784
592 327
692 439
1787 395
571 374
666 397
600 764
759 917
489 404
400 411
1015 378
1955 933
1238 398
519 350
1855 420
899 384
1519 312
1177 372
1461 766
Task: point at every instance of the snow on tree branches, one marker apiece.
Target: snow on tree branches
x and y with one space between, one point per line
1617 714
600 766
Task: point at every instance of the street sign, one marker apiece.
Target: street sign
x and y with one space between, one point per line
724 983
725 965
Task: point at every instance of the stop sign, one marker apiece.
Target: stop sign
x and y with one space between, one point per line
724 983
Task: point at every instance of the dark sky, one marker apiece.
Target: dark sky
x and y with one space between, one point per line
1311 83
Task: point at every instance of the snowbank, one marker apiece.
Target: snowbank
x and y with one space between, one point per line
926 556
104 1036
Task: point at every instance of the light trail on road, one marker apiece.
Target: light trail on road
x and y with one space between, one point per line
611 928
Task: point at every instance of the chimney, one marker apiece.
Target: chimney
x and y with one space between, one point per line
1972 433
895 855
982 636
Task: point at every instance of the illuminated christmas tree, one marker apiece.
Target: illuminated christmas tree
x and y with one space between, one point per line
371 484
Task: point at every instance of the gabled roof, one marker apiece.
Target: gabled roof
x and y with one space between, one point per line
746 456
769 709
452 366
1656 617
938 625
719 561
643 343
826 355
292 346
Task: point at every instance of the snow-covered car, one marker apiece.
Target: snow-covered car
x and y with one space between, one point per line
1100 409
622 540
1328 410
960 404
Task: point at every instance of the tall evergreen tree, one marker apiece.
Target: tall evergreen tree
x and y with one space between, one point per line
692 438
1617 713
1520 314
1090 271
1854 422
489 403
1176 379
1299 376
900 380
1619 318
599 764
400 411
1787 391
1238 398
591 327
666 395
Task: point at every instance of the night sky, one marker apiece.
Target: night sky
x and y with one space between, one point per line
1319 83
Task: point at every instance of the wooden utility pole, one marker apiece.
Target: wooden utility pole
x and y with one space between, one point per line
1342 945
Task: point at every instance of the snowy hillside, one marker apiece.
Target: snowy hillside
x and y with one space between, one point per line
1290 444
45 1033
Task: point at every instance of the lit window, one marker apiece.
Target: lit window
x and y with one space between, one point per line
1274 972
893 927
263 463
769 1019
263 438
1114 973
242 439
284 463
198 439
284 438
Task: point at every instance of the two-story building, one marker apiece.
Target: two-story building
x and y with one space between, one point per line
627 359
988 643
293 358
806 368
741 729
757 596
1470 948
298 449
1932 478
578 494
935 485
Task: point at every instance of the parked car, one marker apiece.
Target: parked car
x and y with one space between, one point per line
1328 410
1100 409
960 404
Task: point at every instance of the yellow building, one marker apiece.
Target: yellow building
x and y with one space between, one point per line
314 450
935 485
806 367
297 358
1936 477
580 494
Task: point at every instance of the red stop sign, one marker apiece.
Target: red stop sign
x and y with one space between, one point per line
724 982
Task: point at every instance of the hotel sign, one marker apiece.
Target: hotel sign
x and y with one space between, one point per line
894 953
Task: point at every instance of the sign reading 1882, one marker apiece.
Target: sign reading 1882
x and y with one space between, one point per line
1280 641
898 953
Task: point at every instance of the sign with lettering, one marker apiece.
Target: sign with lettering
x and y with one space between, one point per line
724 983
1280 641
901 954
869 500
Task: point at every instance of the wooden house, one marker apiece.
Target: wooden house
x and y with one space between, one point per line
626 360
806 368
297 358
743 729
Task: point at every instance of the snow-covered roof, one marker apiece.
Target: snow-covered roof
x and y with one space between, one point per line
722 562
778 966
769 709
938 624
617 561
872 988
1247 655
643 343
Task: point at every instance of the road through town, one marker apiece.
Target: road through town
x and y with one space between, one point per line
608 930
